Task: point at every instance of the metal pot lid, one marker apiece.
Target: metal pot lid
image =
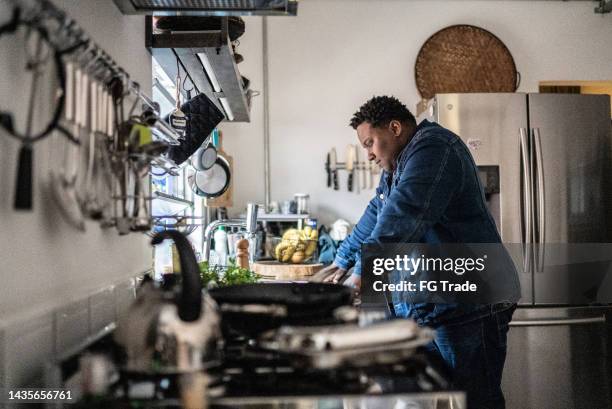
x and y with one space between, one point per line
212 182
463 59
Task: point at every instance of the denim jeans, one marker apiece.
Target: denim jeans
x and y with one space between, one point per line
475 351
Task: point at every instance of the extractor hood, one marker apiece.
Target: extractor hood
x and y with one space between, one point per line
209 7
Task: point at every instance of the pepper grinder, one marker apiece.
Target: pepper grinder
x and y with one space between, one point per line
242 253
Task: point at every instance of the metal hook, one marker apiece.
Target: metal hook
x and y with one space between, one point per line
136 88
97 53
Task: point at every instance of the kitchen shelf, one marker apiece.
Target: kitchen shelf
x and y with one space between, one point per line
167 205
208 59
278 217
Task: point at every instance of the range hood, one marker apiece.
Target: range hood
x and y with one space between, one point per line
209 7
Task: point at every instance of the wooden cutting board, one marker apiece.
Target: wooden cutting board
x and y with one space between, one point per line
283 271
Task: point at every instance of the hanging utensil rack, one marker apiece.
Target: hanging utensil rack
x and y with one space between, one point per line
64 33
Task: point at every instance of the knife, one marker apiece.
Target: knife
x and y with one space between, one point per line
367 168
370 174
333 167
350 161
361 163
328 170
357 182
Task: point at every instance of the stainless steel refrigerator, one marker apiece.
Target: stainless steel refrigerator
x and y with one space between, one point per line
545 163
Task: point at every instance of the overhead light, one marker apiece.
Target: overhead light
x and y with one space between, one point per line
209 71
209 7
226 107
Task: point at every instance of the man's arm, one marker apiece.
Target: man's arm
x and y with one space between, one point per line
349 251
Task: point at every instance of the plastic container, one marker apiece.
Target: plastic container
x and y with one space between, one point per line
220 238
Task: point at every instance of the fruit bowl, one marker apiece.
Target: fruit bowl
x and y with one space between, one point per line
296 246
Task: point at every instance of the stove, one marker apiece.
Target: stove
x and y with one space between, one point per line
243 373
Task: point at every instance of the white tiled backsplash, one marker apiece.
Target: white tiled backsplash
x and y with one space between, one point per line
26 346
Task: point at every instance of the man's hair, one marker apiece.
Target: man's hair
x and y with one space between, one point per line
379 111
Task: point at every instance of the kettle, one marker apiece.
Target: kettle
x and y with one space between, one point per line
168 332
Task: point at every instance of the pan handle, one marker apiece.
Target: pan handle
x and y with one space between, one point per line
23 188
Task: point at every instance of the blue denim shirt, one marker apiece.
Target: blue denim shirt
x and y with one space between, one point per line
433 196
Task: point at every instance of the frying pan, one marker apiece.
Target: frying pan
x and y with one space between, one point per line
204 158
212 182
254 308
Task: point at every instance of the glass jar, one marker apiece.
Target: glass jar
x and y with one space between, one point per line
302 202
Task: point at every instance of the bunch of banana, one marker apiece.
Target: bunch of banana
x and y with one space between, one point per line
296 245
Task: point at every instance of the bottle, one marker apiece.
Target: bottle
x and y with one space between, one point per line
220 237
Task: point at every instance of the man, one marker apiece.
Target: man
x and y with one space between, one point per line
430 193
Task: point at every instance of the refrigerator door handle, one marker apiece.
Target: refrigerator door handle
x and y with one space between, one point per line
570 321
541 209
526 199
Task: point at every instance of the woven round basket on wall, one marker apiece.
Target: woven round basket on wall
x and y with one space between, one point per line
464 58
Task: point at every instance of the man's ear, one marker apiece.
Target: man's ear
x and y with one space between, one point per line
396 127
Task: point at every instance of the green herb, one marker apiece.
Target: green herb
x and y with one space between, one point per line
217 276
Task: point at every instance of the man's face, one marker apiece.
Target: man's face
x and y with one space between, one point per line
382 144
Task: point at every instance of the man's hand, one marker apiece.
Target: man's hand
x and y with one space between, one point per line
330 274
354 281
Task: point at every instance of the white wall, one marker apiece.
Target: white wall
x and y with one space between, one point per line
45 263
338 53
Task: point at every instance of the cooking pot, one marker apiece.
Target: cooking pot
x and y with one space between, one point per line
166 331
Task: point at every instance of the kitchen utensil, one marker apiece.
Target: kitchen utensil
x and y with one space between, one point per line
142 150
23 191
334 168
203 116
362 158
462 59
349 345
164 332
90 205
328 170
350 166
205 157
367 165
212 182
178 119
140 220
36 60
63 183
254 308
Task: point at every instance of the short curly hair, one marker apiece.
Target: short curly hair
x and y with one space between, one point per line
379 111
